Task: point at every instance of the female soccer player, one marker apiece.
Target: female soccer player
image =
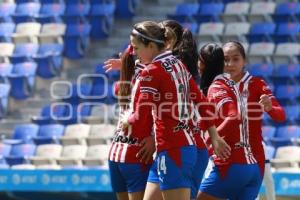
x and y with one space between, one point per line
167 90
128 168
241 100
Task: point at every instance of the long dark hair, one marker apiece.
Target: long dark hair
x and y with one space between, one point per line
185 46
212 56
126 74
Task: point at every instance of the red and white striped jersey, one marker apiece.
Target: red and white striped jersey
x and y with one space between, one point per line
126 143
242 131
167 90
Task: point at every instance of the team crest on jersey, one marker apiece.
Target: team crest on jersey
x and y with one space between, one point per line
220 93
231 83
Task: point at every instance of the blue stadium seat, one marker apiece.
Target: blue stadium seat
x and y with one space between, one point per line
76 12
49 60
6 30
270 152
192 26
184 12
79 93
4 97
261 32
26 12
19 153
126 9
22 80
4 151
51 12
286 12
287 93
292 113
76 40
5 70
287 74
287 32
285 135
50 113
101 19
6 10
209 12
75 114
264 70
23 133
23 52
268 132
49 134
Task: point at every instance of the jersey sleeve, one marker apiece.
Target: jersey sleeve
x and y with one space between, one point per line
225 107
149 83
277 113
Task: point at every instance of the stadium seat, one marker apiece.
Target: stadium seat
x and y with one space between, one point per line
287 93
23 133
236 12
25 12
26 32
4 151
49 134
236 31
125 9
76 12
48 167
261 11
209 12
78 93
286 53
4 98
286 135
261 32
7 49
52 33
287 32
270 152
287 74
23 52
192 26
101 134
287 156
6 10
23 167
268 132
264 70
261 52
49 60
22 80
72 155
5 70
76 40
51 12
19 154
96 155
184 12
75 134
101 20
46 154
210 31
286 12
50 113
292 113
6 30
99 114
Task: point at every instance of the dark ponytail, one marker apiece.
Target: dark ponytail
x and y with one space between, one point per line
212 56
127 72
